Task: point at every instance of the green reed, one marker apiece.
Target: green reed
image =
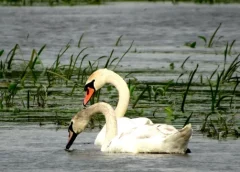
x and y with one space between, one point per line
80 40
118 42
185 61
210 43
230 48
188 86
10 56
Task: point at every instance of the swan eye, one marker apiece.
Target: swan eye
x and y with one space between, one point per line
89 85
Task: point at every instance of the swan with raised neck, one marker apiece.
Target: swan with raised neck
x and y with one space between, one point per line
104 76
96 81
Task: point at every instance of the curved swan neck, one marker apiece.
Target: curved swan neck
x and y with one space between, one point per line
123 92
111 121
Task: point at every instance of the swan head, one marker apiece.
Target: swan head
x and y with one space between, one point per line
77 125
95 81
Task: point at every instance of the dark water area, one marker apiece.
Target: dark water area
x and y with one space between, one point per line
29 147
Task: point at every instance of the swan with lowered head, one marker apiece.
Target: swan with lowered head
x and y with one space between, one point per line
96 81
149 138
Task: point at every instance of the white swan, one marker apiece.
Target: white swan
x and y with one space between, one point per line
149 138
96 81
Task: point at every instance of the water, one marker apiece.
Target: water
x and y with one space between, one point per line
29 147
159 32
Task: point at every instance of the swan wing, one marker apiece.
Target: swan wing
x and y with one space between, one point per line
152 139
124 124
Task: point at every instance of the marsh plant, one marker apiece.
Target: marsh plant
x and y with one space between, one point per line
34 87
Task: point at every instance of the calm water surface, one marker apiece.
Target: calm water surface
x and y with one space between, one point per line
29 147
159 32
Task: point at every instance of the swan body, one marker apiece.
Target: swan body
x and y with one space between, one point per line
123 124
96 81
148 138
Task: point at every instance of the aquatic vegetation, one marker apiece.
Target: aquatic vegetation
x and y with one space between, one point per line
210 42
191 44
182 66
27 88
188 86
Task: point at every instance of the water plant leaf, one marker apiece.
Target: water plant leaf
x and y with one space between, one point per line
225 55
11 54
60 54
80 40
124 55
233 92
188 86
1 52
179 77
76 59
118 41
157 92
68 72
185 61
231 69
215 92
140 96
113 60
12 86
187 120
80 66
171 66
41 49
60 76
230 48
212 93
204 39
193 44
107 62
221 98
213 35
90 65
214 72
170 115
30 67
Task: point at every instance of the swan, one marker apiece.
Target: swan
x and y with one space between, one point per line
149 138
96 81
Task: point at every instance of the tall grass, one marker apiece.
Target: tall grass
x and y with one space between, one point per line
188 86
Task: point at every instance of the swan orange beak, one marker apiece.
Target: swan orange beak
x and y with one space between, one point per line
89 94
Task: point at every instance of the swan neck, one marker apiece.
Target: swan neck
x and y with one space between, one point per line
123 93
111 121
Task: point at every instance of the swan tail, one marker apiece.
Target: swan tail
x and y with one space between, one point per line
186 132
179 141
